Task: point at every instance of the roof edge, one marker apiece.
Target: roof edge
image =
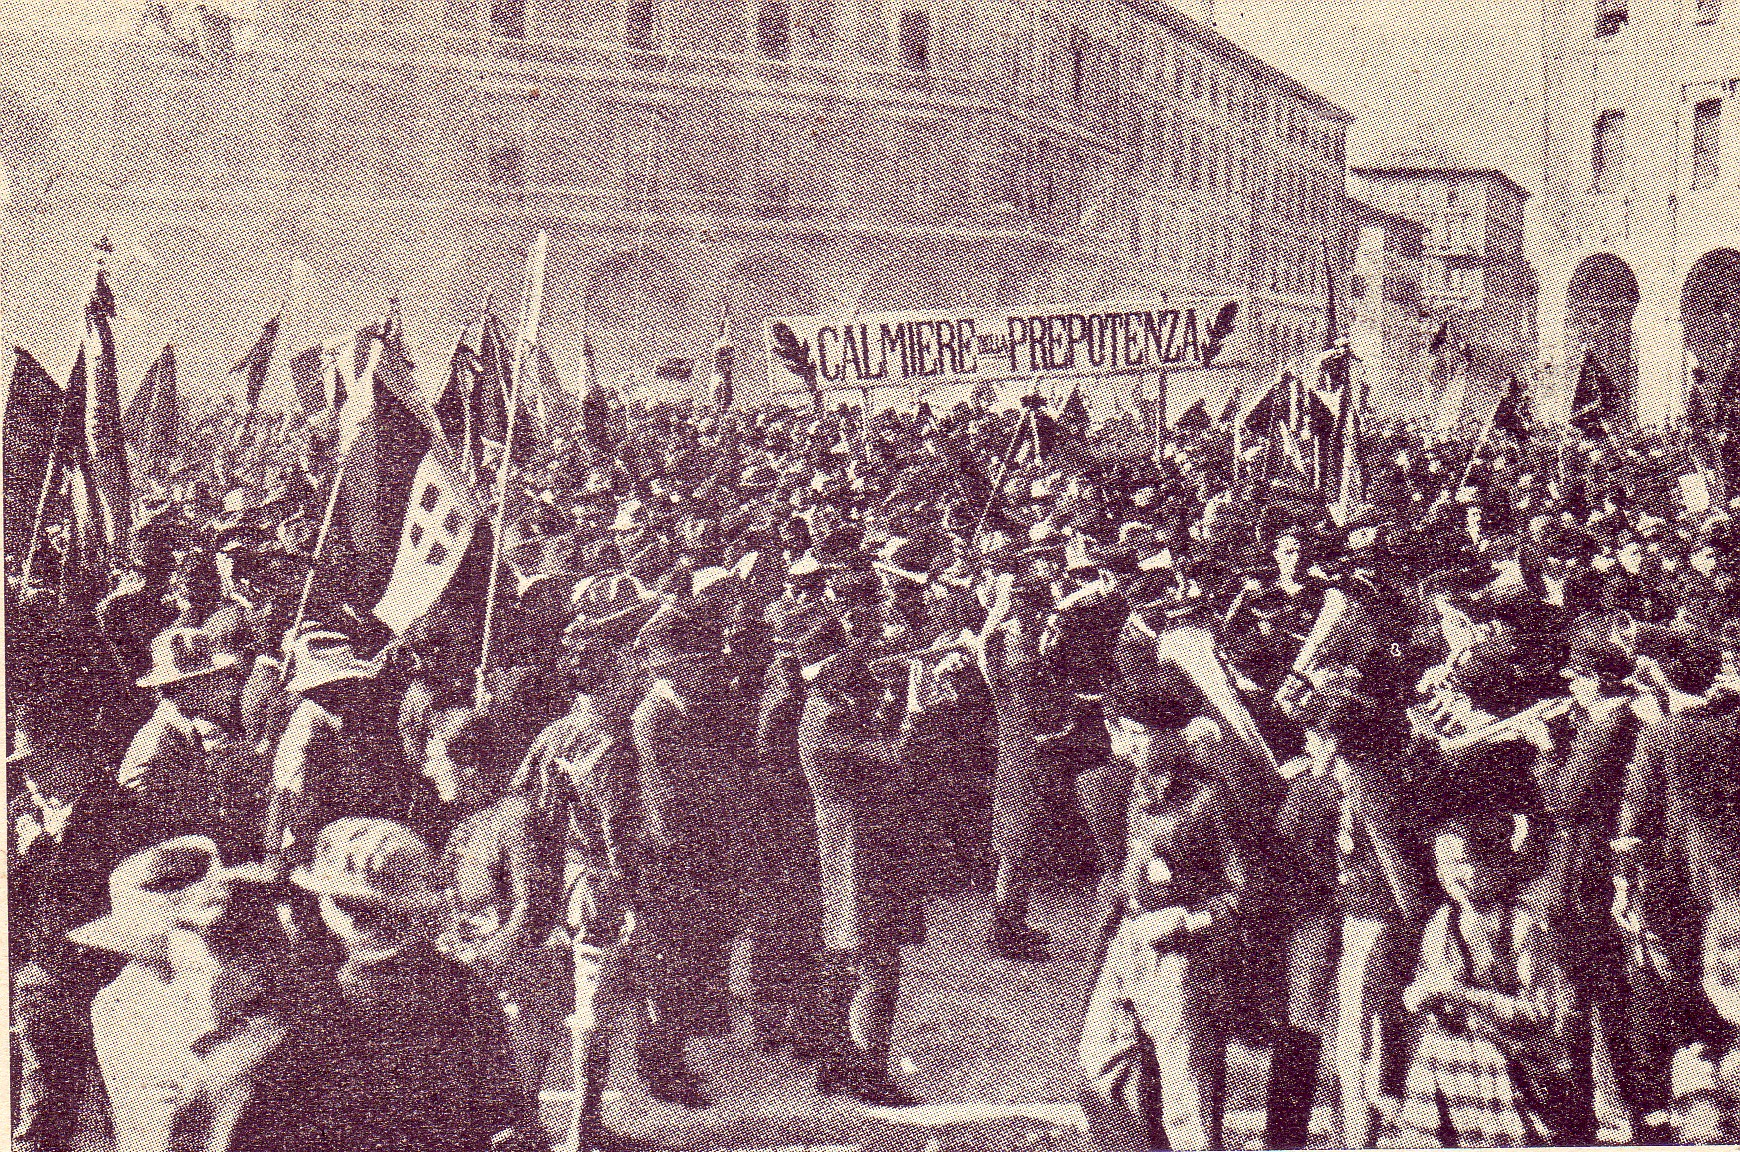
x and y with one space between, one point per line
1381 170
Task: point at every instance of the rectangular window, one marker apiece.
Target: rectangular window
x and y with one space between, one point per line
1708 11
508 18
505 166
915 41
1706 143
773 30
1608 160
642 19
1610 16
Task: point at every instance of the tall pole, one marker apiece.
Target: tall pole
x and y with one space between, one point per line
526 341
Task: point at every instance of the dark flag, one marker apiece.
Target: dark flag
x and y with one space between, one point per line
84 574
1074 415
1512 413
450 406
308 377
1194 418
594 410
1588 407
111 488
258 360
495 368
1697 416
675 368
32 411
1440 340
154 415
1230 412
1270 408
1350 491
390 440
719 388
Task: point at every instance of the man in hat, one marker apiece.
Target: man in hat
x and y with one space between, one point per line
187 769
429 1062
211 1036
871 848
341 752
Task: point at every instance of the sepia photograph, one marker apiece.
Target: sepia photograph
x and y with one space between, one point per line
871 575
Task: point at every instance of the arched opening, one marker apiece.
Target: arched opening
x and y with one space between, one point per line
1710 319
757 290
1600 304
635 313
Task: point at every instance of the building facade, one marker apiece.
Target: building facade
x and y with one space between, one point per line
1640 253
1474 272
690 159
1383 303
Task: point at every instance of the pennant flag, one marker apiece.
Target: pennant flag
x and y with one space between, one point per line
1194 418
258 360
719 384
111 489
455 398
1440 340
153 418
1074 415
675 368
308 377
1351 491
84 574
1214 336
795 355
1512 414
1588 406
1230 412
495 367
441 518
32 411
1324 410
1270 408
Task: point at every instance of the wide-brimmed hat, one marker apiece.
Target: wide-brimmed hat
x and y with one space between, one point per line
377 862
179 654
148 893
320 658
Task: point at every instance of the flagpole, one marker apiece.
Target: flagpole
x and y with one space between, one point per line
528 337
36 525
377 344
1485 433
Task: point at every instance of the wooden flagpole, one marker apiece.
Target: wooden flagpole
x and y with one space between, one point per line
527 340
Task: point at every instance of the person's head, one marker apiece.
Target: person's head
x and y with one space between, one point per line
1289 553
1629 552
1477 858
1722 960
1146 730
375 880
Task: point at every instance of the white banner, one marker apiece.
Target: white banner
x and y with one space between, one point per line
1052 342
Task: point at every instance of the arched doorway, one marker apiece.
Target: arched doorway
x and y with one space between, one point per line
1600 304
1710 319
635 314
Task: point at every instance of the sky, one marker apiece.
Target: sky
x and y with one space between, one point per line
1464 76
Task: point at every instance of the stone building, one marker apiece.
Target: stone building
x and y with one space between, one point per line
1473 270
690 159
1640 252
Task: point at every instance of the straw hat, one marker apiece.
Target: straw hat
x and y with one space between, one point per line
320 658
179 654
377 862
148 893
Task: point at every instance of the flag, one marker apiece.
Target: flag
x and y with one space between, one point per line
1194 418
1230 412
388 428
1512 413
1074 415
441 519
495 369
153 417
1440 340
985 395
1270 407
308 377
719 384
258 360
111 489
1351 489
1697 416
594 411
674 368
32 411
1588 406
84 575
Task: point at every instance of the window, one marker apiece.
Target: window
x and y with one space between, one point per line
504 167
508 18
1608 160
1706 143
642 20
1708 12
1610 16
915 41
773 30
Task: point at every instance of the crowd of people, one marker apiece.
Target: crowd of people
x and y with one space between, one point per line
1432 792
